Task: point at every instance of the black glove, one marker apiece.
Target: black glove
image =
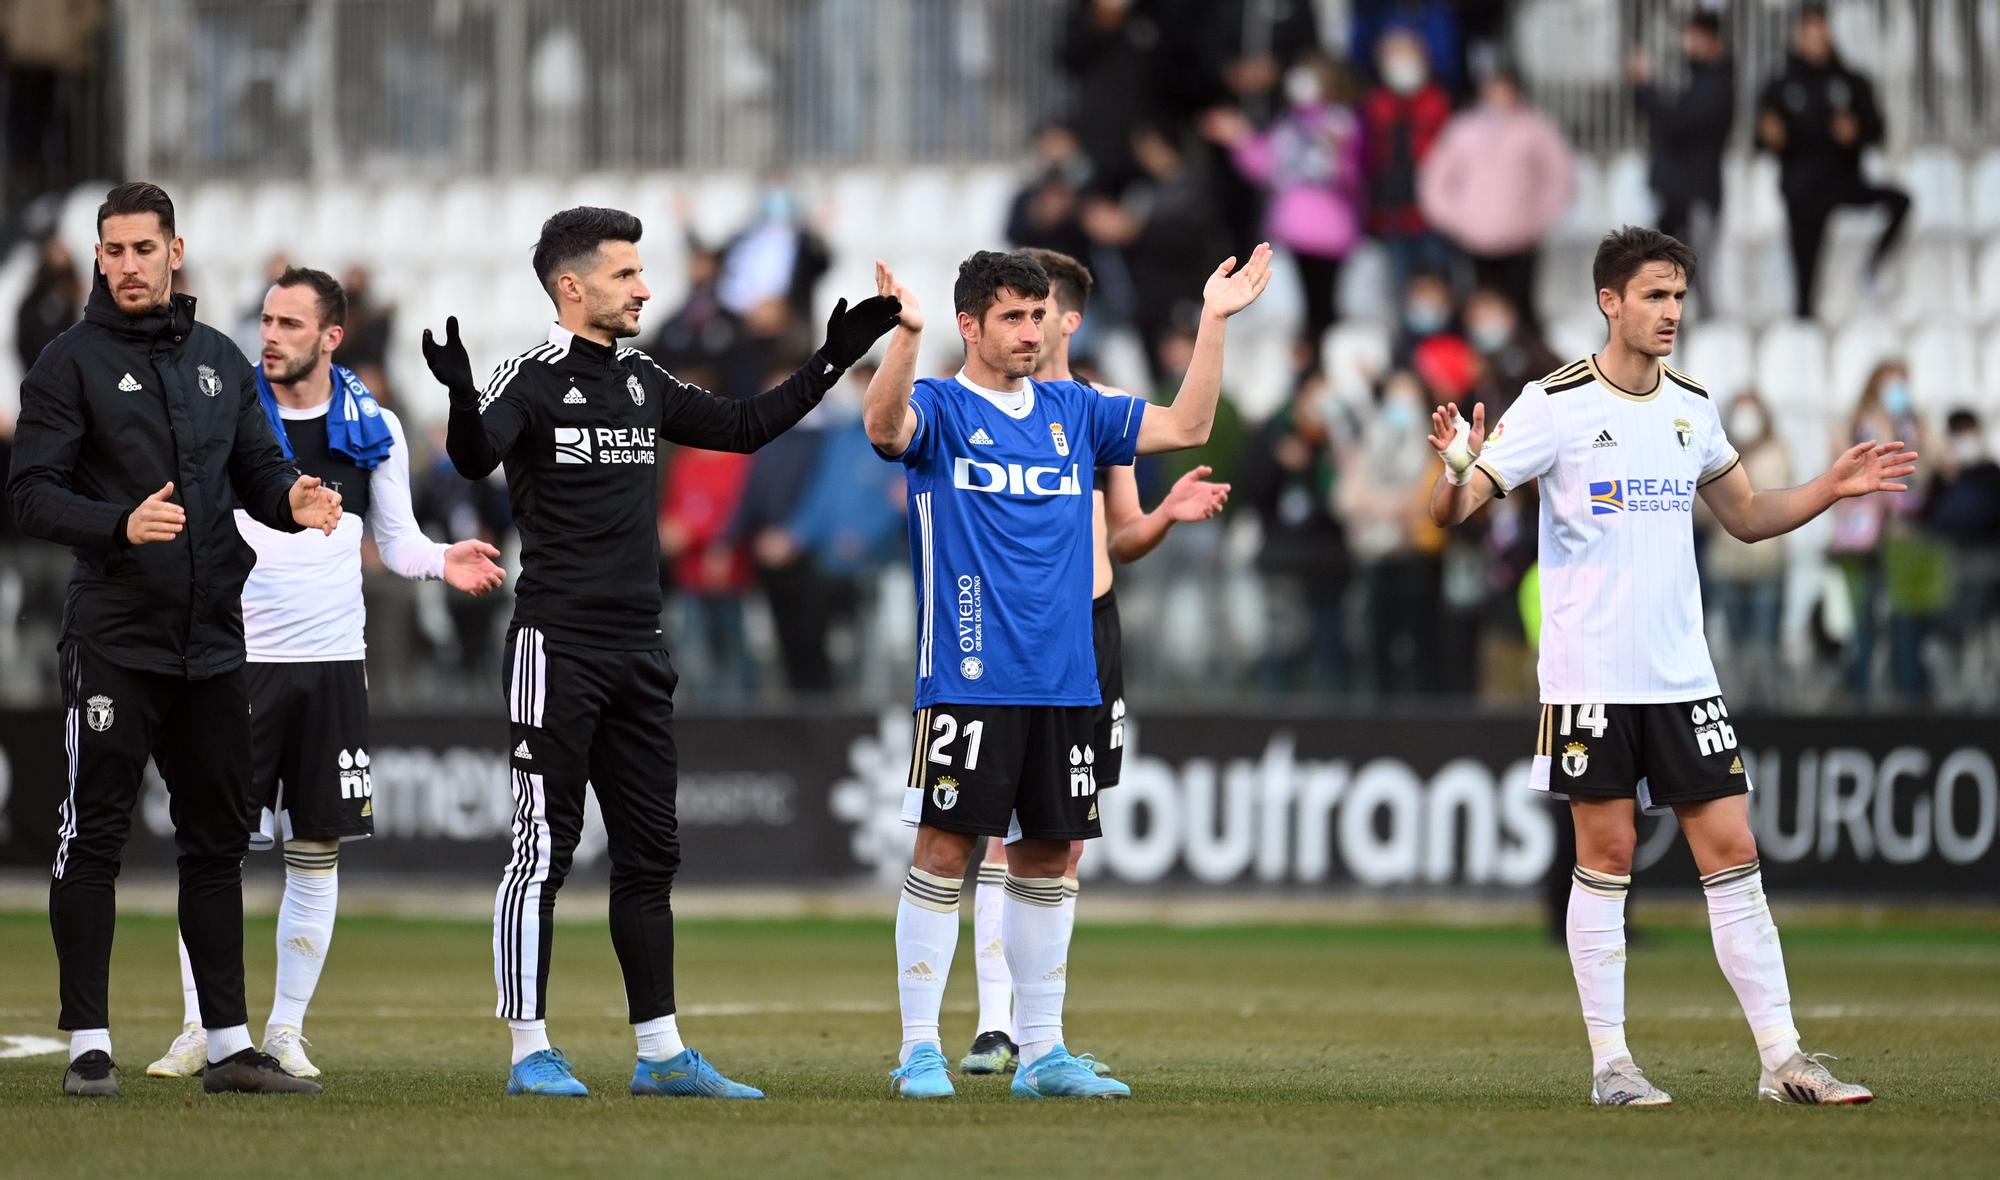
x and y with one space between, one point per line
449 364
851 332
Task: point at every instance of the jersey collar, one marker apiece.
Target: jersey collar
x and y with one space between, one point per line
573 345
999 400
1659 381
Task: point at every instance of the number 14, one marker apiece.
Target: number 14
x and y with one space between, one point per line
1590 717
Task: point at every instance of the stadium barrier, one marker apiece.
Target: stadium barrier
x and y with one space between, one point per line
1876 806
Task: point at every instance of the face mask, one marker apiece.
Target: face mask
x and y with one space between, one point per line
1896 398
776 206
1967 449
1404 74
1424 318
1302 87
1399 415
1746 423
1490 336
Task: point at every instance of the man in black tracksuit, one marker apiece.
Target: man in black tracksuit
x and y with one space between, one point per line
1690 131
1816 117
139 431
578 423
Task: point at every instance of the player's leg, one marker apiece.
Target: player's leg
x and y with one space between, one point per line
1057 806
634 770
965 762
555 697
993 1050
1750 954
108 722
1805 218
204 753
328 798
1894 202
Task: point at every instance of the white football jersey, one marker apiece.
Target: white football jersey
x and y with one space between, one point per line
1621 602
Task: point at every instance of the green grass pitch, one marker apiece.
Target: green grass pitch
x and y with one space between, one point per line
1253 1051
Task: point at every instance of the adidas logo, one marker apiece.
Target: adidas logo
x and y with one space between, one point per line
920 971
521 751
1604 439
130 384
829 369
1059 972
993 950
1736 765
572 398
980 438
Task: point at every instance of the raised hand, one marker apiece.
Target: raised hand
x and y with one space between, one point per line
1872 467
315 505
448 362
1193 497
851 332
912 318
155 519
468 566
1226 294
1447 425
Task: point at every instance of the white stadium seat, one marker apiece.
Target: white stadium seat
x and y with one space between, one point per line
1986 287
1589 214
1791 369
1990 382
1752 207
211 219
1858 346
1936 181
1983 191
1720 355
1628 199
1944 370
1355 355
1364 285
1936 279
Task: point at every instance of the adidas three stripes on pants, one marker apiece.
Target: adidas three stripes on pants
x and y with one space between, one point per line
602 718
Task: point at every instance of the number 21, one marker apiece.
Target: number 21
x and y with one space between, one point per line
946 727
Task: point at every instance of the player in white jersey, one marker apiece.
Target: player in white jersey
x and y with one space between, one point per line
1119 528
1631 710
302 628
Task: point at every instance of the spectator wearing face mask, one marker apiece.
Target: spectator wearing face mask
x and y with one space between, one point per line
1309 162
1396 548
1500 177
1745 583
1888 567
1401 116
1963 509
777 256
1509 355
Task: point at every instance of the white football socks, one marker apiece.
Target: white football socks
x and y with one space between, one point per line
530 1037
996 984
190 999
659 1038
1071 887
926 939
83 1040
1035 932
1596 930
305 928
1746 946
224 1043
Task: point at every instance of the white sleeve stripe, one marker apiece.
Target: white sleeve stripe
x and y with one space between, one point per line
508 368
1131 407
627 353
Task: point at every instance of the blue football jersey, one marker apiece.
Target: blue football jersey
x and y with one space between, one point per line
1000 538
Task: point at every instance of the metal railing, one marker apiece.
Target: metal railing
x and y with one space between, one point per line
327 87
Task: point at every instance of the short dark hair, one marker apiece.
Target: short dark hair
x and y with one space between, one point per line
983 276
329 296
1960 420
1069 280
1623 251
575 234
1706 21
138 196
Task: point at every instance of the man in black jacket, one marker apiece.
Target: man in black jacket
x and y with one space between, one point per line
578 422
1690 130
140 430
1816 117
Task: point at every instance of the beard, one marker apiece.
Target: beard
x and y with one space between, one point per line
610 319
294 371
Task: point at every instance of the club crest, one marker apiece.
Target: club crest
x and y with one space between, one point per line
206 379
1061 440
1684 432
637 390
1575 759
944 793
98 712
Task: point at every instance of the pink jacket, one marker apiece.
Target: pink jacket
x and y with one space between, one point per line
1310 159
1497 181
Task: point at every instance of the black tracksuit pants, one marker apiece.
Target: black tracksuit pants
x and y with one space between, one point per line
198 733
602 717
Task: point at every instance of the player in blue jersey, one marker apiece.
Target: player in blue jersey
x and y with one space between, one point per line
998 469
1120 529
